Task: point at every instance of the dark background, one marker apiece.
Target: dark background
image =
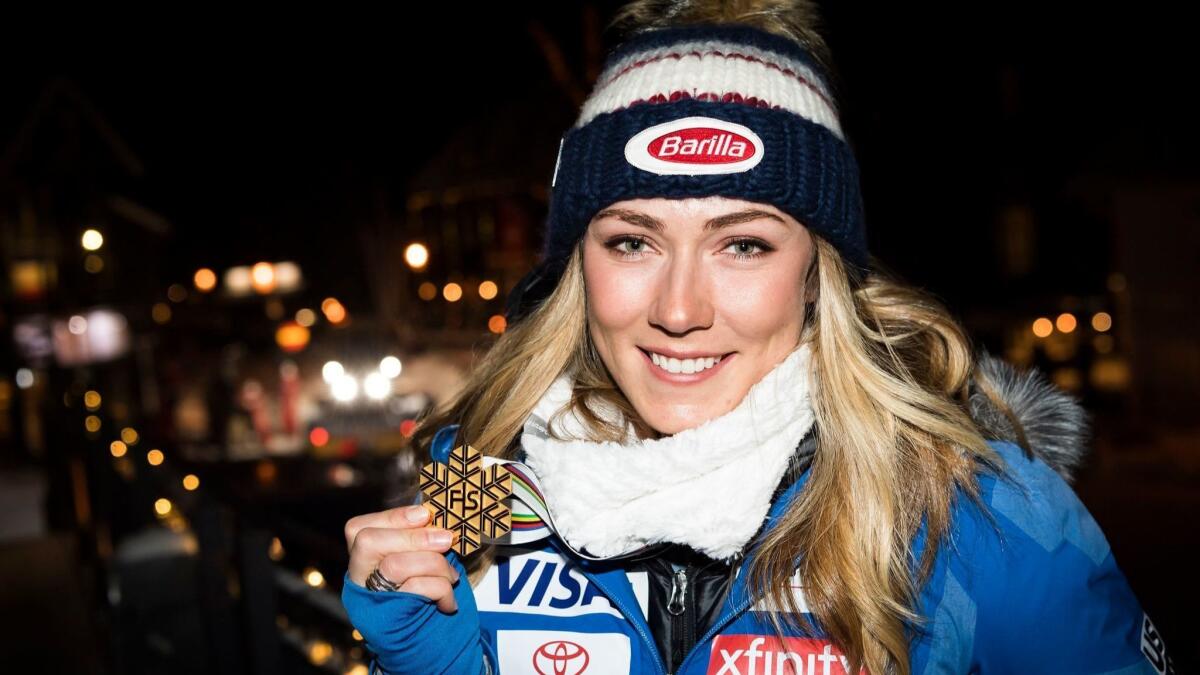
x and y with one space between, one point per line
1018 160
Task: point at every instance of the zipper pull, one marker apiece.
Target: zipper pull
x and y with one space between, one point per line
678 592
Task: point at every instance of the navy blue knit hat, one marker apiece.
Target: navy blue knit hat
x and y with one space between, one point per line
703 110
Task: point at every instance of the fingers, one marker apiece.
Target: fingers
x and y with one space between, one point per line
438 589
401 517
400 567
371 544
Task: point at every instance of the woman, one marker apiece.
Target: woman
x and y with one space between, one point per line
758 452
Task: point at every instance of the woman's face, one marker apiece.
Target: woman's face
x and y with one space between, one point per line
715 278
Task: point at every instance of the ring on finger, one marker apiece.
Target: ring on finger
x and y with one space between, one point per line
377 582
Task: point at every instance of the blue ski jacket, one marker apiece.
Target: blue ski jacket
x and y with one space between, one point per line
1043 594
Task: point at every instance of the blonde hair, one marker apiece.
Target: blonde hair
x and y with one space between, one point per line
895 443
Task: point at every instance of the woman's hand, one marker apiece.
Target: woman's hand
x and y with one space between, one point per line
430 624
407 554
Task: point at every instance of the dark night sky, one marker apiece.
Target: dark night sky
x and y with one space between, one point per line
265 136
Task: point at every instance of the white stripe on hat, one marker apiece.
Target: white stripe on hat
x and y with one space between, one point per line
716 69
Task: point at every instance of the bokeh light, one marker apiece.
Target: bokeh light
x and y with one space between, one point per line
204 280
390 366
91 240
416 255
1043 327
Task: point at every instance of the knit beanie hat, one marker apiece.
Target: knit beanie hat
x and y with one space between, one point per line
697 110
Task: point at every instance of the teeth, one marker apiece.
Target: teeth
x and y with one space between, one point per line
672 365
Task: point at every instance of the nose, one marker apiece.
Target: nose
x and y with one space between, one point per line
682 302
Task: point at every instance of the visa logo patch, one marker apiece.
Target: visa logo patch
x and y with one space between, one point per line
760 655
542 582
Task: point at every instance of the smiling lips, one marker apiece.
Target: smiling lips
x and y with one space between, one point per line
674 369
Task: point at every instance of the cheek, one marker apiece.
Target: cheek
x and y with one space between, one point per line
762 303
617 295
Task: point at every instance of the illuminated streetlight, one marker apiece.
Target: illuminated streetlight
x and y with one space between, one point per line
92 240
262 277
313 577
1043 327
390 366
334 311
345 388
377 386
497 324
331 371
204 280
291 336
416 255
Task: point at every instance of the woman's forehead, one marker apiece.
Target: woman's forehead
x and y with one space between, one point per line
691 208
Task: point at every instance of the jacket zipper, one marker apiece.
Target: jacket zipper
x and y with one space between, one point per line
721 622
681 606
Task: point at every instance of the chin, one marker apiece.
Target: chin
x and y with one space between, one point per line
673 425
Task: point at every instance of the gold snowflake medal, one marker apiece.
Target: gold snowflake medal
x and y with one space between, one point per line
467 498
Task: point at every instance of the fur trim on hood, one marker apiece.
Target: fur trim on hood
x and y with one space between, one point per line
1057 427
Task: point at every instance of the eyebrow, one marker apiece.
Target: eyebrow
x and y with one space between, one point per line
652 223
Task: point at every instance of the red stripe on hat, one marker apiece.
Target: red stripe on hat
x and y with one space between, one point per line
731 55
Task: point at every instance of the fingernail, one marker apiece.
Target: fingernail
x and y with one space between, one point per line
440 538
417 514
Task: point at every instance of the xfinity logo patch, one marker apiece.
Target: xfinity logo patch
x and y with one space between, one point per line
759 655
558 652
695 146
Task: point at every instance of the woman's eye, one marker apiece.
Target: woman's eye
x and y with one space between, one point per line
633 246
742 248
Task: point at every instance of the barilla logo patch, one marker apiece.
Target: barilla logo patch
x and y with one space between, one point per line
695 146
760 655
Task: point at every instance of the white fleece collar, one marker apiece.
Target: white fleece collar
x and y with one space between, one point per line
708 487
